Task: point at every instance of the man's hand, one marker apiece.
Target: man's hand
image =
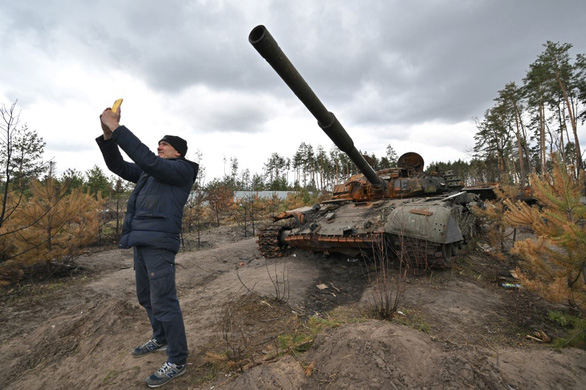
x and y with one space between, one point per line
107 132
110 121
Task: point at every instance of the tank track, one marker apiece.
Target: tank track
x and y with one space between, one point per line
268 241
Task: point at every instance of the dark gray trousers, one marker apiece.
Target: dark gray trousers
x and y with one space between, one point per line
157 293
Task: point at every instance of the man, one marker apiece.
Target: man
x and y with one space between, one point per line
152 226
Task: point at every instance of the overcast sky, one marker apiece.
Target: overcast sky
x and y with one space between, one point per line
412 74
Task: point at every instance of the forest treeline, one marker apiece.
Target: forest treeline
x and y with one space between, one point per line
47 219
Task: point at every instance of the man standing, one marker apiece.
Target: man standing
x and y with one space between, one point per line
152 227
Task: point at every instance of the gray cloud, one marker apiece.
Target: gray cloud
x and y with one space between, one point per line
374 62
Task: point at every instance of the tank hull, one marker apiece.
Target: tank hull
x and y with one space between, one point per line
427 228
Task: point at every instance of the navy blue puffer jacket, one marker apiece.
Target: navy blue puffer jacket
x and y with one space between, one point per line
155 207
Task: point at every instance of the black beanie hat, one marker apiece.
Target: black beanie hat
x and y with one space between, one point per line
178 143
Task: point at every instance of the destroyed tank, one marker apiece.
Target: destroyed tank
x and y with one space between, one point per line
399 211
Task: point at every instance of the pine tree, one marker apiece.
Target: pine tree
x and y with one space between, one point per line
554 263
53 225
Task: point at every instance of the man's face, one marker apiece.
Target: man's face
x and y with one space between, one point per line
165 150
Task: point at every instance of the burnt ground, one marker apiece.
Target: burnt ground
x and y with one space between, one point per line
303 321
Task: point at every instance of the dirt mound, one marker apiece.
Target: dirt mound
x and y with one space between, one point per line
383 355
396 357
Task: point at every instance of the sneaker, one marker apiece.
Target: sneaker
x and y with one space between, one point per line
150 346
167 372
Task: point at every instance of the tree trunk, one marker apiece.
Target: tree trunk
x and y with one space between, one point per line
572 122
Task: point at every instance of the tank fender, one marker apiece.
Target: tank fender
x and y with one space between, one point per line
430 222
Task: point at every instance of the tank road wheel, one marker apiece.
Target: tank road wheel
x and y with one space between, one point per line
268 241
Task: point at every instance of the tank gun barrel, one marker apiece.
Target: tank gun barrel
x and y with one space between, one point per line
268 48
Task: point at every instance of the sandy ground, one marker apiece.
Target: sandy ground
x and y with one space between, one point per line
458 329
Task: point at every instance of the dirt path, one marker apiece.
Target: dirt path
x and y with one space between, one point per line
78 335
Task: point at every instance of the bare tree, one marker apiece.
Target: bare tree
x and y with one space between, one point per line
21 151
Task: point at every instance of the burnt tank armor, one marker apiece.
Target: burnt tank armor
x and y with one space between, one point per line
419 218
